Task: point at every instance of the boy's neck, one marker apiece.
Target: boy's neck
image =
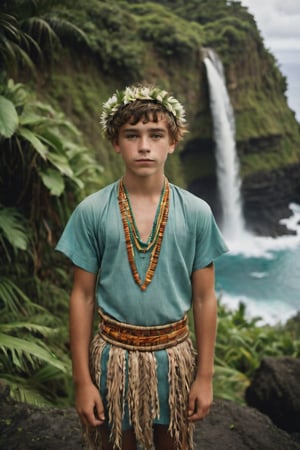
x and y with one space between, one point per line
147 186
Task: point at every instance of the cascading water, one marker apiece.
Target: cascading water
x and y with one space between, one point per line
262 272
229 183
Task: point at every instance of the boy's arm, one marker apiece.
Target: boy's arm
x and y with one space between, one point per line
205 321
88 401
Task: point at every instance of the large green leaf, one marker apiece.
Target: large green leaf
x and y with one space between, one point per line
34 141
21 349
54 181
14 300
9 120
23 390
53 139
62 164
32 119
12 229
33 328
9 296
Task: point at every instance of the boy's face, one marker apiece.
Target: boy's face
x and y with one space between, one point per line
145 147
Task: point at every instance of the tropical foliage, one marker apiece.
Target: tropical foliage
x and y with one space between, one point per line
41 171
31 32
42 166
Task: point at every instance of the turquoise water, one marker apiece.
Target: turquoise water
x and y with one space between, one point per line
263 273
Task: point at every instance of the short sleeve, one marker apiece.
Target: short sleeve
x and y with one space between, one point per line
79 240
209 241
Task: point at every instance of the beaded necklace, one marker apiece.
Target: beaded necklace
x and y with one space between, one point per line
132 236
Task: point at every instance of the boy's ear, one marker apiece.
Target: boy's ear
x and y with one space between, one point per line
116 146
172 147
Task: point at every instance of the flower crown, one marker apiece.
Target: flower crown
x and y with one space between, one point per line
131 94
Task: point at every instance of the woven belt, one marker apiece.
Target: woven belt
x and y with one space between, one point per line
133 337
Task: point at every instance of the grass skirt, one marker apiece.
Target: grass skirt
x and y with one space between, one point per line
141 397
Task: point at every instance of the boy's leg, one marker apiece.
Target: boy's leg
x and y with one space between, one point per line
163 439
128 439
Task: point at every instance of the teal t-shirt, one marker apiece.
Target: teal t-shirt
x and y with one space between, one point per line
94 240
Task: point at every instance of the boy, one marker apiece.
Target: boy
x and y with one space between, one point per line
145 249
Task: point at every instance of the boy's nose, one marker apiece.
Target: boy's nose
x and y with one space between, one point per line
144 144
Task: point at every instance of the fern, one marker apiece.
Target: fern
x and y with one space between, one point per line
13 234
14 300
24 353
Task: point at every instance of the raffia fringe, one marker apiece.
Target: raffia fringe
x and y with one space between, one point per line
141 397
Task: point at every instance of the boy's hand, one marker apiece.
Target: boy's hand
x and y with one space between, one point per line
200 399
89 405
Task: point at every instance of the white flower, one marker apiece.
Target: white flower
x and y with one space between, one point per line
144 93
131 94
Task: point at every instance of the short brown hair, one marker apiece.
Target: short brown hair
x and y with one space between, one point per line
148 111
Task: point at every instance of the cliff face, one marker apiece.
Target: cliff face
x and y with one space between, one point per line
268 140
267 134
162 44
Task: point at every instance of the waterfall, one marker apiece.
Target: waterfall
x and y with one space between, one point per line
228 179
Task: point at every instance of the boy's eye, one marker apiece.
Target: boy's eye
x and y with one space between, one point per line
156 136
131 136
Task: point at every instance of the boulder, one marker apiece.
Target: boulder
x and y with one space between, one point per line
231 426
28 427
275 391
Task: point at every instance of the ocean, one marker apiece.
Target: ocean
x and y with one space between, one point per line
264 273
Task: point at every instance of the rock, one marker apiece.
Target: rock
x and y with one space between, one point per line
275 391
24 427
266 199
229 426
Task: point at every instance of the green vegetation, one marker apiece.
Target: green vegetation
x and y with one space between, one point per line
272 160
110 36
241 345
41 181
41 174
59 60
167 31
